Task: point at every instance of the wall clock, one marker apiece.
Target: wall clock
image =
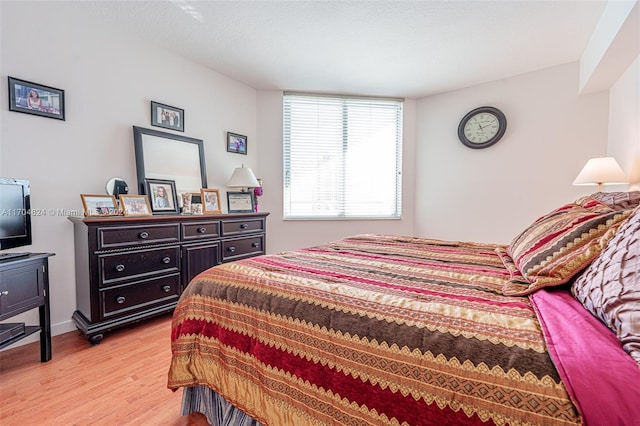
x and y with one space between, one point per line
482 127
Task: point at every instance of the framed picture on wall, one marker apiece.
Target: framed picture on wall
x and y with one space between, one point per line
163 196
35 99
167 116
236 143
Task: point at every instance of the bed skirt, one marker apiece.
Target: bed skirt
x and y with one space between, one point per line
217 410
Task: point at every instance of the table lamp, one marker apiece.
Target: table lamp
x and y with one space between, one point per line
243 178
599 171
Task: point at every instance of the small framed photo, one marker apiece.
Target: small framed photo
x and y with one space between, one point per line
167 116
210 201
196 198
240 202
135 205
99 205
36 99
236 143
164 199
196 203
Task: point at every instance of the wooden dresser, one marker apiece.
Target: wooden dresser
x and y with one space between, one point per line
131 268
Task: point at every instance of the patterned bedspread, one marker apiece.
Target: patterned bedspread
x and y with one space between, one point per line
371 329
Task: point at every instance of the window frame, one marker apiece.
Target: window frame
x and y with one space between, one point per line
394 209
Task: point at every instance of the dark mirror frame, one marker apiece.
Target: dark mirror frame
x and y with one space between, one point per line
138 141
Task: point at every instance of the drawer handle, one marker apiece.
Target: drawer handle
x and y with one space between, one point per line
4 293
166 259
202 230
120 267
166 288
255 245
143 235
120 300
231 249
244 226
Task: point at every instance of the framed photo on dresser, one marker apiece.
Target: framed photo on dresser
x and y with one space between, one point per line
210 200
135 205
99 205
163 195
240 202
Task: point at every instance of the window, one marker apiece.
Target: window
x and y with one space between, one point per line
342 157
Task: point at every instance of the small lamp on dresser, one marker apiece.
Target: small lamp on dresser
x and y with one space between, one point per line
243 178
599 171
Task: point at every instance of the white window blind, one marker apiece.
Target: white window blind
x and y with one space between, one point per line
342 157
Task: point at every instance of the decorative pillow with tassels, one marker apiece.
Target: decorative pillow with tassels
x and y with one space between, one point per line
562 243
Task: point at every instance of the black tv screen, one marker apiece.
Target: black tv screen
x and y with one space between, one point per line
15 213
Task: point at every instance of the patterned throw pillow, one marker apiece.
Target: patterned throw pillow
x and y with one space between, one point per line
562 243
610 287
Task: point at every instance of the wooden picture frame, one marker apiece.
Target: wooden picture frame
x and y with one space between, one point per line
163 196
135 205
167 117
36 99
236 143
240 202
210 201
99 205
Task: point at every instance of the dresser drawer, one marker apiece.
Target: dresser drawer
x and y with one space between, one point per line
140 295
232 227
119 267
128 236
200 230
238 248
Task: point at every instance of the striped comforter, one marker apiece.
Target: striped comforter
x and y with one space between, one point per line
372 329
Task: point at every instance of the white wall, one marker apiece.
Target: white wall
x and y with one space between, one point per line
492 194
612 47
624 124
109 79
292 234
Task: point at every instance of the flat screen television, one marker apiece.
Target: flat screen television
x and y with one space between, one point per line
15 213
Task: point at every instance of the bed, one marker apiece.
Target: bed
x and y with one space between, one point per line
398 330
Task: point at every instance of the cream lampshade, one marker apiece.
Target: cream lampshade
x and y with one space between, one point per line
244 178
599 171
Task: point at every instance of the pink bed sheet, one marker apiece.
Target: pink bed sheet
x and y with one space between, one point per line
602 379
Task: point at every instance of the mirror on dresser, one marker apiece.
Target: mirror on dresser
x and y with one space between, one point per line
116 186
162 155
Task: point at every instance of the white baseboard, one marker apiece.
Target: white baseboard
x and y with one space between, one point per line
62 327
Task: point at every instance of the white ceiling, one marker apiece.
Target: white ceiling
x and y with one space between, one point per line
391 48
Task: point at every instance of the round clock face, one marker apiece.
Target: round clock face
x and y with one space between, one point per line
482 127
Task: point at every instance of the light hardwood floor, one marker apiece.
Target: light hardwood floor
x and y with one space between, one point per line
121 381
